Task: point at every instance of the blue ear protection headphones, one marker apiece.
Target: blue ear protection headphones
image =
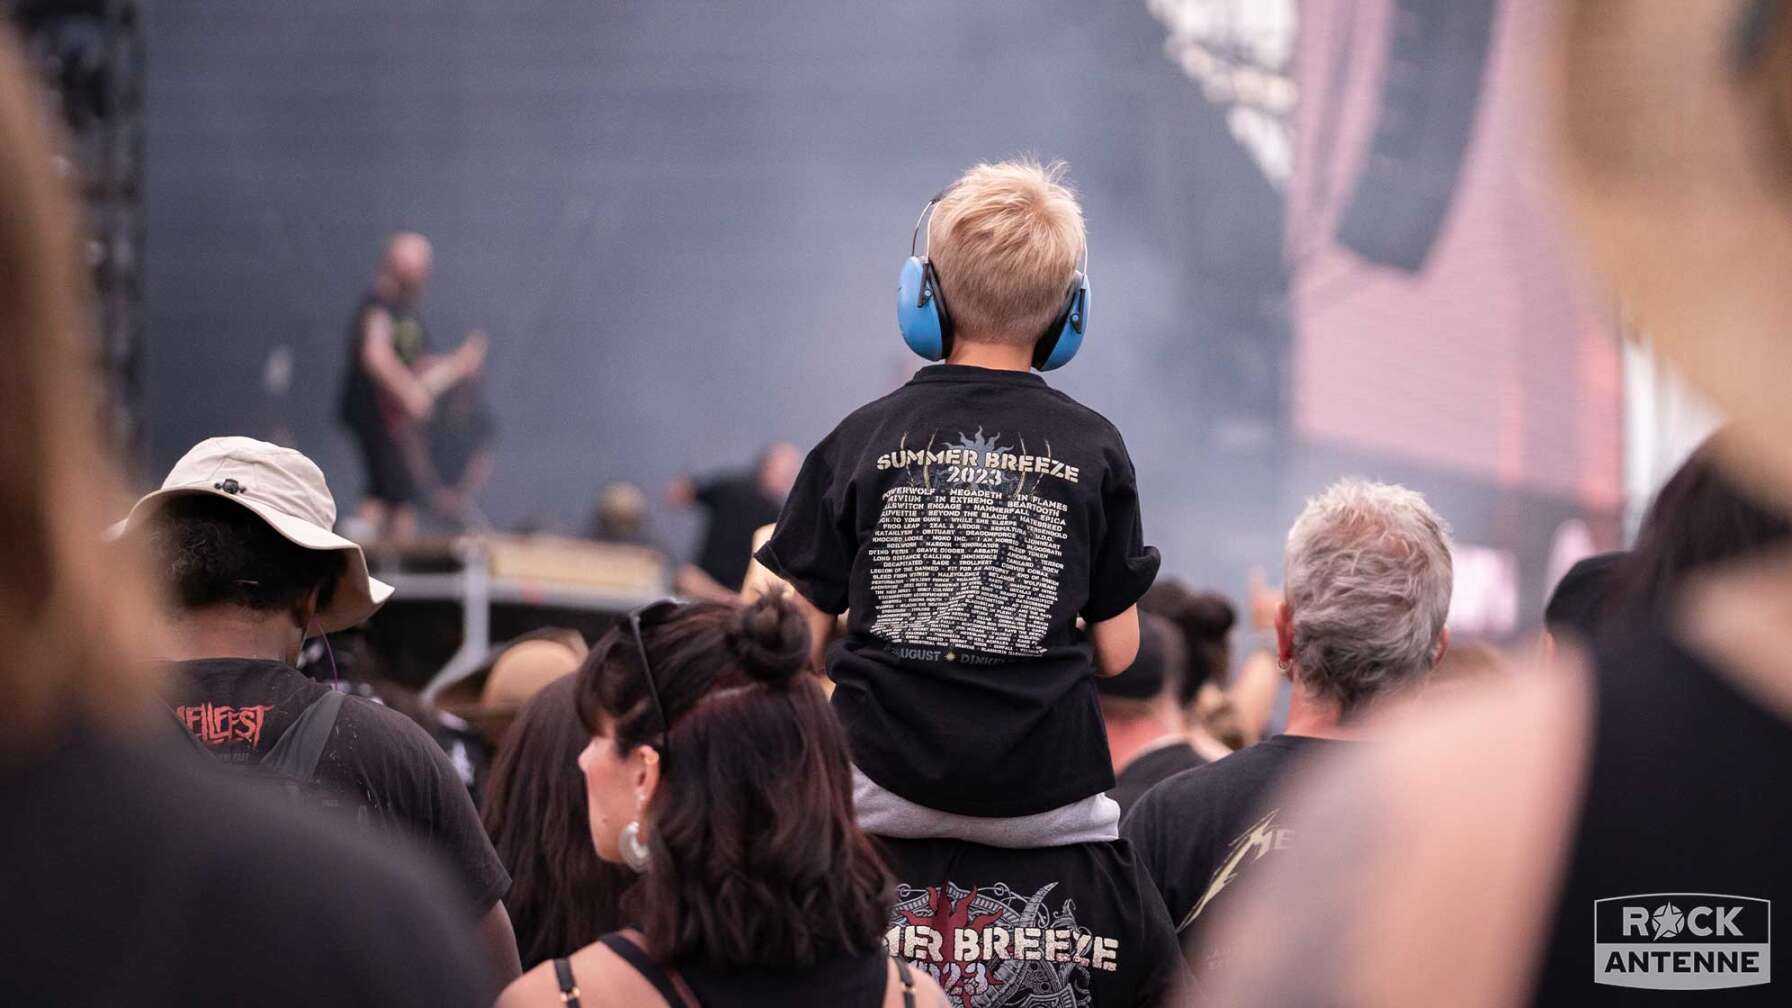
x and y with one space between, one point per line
927 326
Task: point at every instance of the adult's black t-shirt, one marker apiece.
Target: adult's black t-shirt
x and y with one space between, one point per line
362 406
1678 852
1072 927
736 508
1149 768
133 875
964 522
1199 831
379 769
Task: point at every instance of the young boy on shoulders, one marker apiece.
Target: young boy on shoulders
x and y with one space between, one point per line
981 530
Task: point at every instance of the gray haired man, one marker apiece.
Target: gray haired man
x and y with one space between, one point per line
1367 587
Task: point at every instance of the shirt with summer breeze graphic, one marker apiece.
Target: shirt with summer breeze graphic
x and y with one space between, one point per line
1200 831
379 769
964 522
1076 926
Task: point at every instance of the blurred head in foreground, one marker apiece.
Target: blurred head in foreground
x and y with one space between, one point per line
69 615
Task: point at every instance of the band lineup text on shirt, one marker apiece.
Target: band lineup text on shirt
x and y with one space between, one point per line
967 465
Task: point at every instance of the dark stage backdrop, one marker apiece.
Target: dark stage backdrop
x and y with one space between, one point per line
681 224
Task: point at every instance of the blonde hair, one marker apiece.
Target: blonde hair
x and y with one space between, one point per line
68 609
1004 242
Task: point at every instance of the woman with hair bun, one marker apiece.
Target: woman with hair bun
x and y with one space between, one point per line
717 771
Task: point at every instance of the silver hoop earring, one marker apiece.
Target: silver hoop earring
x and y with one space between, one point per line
634 852
1283 666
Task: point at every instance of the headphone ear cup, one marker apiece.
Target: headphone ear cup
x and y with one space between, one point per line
920 314
1065 335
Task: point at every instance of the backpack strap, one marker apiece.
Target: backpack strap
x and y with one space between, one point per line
569 991
295 756
907 976
669 984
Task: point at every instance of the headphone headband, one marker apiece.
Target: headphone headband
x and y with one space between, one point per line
926 325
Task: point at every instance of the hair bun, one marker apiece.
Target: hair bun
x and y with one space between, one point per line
1208 614
770 638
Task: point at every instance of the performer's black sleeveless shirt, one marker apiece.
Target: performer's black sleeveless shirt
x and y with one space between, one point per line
1688 792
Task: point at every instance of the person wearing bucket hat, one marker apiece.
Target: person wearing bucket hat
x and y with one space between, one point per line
1615 820
285 490
239 534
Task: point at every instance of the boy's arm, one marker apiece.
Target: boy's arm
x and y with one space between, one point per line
1116 642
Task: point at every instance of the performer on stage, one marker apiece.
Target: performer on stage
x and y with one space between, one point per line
391 386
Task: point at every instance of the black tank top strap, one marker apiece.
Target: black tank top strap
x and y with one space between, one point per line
569 991
904 974
651 971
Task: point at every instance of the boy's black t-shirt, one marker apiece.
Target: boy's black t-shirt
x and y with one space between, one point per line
964 522
1198 832
380 770
1077 926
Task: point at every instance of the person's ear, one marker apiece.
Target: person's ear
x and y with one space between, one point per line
644 774
1443 647
1284 633
305 609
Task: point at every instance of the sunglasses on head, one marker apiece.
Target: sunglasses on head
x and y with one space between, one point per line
653 612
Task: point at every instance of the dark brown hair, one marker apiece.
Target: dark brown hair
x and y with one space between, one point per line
562 895
755 858
1700 518
1205 621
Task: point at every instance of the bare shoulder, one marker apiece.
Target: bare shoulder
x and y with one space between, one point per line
600 975
536 987
1465 800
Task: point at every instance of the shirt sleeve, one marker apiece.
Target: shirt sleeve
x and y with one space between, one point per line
1121 566
816 541
454 826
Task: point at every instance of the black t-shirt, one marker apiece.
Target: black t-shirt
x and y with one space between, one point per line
1197 832
1147 769
1679 843
363 407
964 522
737 508
379 769
141 876
1071 927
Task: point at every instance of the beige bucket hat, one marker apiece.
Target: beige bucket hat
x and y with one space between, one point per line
286 490
1675 134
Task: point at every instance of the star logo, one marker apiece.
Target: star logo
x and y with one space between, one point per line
1667 921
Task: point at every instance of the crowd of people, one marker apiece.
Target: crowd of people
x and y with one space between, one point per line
941 734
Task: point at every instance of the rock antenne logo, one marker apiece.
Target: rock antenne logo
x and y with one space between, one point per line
1682 941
